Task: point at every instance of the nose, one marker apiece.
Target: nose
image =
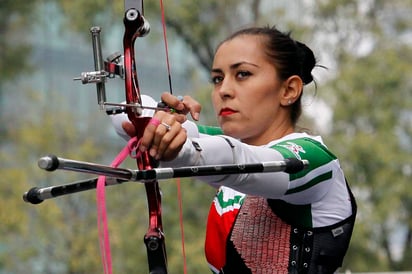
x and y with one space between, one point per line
226 89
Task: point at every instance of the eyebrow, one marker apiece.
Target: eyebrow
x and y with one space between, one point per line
234 66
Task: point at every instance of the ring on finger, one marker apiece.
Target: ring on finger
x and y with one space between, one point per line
168 127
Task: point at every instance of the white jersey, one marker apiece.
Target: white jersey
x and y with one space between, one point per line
321 188
317 197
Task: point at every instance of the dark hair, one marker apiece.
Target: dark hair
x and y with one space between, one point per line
289 57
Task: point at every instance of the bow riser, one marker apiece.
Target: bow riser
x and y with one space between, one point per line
133 21
136 26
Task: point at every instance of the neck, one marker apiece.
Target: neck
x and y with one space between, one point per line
270 135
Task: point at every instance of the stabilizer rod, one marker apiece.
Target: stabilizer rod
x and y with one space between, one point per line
120 175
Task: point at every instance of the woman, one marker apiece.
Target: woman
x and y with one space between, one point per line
263 222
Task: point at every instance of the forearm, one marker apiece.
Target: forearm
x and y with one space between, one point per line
218 150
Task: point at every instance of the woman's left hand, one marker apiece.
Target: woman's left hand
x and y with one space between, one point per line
163 137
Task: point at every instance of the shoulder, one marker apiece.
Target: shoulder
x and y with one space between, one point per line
304 146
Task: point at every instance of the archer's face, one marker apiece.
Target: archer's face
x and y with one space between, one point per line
247 90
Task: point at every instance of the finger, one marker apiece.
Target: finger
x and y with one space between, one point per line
148 136
181 118
155 131
168 138
173 102
175 146
176 104
129 128
184 105
165 132
193 106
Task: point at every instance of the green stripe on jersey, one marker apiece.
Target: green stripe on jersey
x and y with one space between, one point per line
306 149
209 130
238 199
314 181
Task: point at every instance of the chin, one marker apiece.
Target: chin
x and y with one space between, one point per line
231 131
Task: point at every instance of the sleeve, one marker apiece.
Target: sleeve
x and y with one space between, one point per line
196 130
209 130
218 150
311 184
304 187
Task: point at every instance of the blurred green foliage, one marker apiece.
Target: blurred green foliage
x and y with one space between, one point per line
366 87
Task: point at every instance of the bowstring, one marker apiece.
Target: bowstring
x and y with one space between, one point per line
178 183
169 74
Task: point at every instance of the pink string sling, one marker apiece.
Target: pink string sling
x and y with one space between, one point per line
104 241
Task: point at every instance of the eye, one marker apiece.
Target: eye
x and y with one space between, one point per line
216 79
242 74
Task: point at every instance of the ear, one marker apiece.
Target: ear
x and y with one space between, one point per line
292 89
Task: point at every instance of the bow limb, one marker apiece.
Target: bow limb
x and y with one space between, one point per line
136 26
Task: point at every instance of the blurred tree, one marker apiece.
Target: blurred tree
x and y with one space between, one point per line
372 134
372 123
365 45
47 238
15 16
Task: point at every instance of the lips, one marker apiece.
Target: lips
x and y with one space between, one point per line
226 111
